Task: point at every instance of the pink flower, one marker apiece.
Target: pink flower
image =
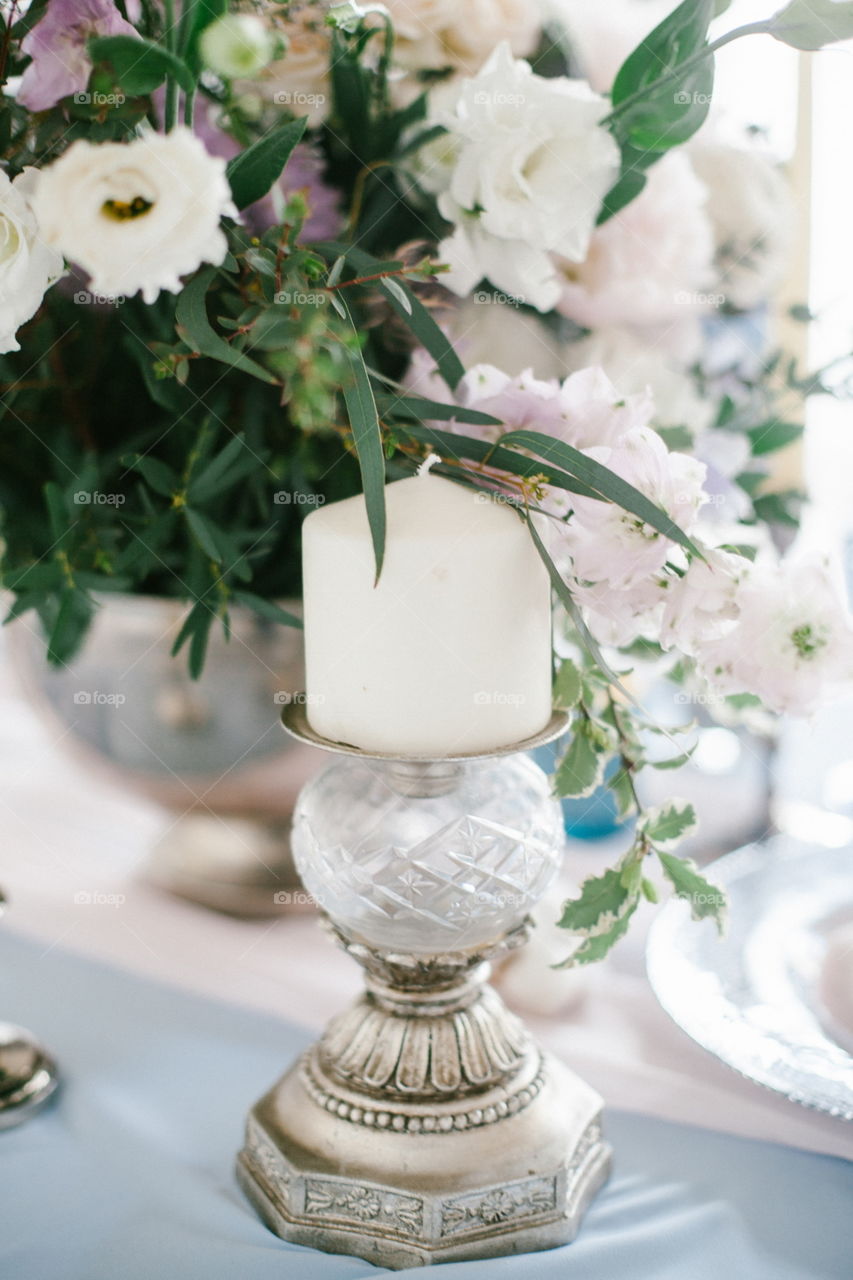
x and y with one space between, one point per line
58 46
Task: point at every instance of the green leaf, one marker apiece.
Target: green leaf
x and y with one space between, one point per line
158 475
397 293
780 508
194 327
215 477
367 438
460 448
196 16
657 104
677 438
603 899
433 411
706 900
649 891
605 484
667 824
626 188
581 768
72 622
770 436
254 171
596 947
196 629
140 66
623 793
203 532
567 685
413 312
268 609
811 24
675 762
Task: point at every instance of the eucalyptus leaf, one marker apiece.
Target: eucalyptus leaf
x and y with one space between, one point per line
195 328
255 171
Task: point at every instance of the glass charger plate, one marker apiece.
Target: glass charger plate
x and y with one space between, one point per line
754 998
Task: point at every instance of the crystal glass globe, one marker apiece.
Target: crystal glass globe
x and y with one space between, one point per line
449 870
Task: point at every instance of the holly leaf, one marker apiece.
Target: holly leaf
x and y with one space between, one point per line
667 824
706 900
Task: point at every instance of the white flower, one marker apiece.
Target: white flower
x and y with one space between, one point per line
531 168
792 640
609 544
238 44
300 80
136 216
651 263
699 605
431 34
28 267
752 212
636 365
485 329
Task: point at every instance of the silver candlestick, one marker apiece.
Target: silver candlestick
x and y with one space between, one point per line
426 1125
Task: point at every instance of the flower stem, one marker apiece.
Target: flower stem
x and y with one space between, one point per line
170 34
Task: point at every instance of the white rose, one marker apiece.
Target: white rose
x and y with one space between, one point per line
300 80
752 212
651 263
532 167
136 216
28 266
444 33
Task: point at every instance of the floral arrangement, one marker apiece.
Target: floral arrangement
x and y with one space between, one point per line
246 250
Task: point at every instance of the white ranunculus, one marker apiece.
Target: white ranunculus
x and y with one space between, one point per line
752 212
28 266
651 264
136 216
432 34
532 167
792 642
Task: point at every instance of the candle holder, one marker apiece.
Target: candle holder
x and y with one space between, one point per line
426 1125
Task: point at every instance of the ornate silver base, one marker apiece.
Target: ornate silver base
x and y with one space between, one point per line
425 1126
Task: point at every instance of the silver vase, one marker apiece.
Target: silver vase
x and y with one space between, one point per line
210 751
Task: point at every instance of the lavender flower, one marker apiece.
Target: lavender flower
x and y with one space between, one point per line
58 47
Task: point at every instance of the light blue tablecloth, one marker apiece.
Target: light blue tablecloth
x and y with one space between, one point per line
129 1176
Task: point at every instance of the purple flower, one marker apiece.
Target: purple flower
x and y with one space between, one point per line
58 47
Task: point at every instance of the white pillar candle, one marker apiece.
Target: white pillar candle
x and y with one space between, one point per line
451 651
